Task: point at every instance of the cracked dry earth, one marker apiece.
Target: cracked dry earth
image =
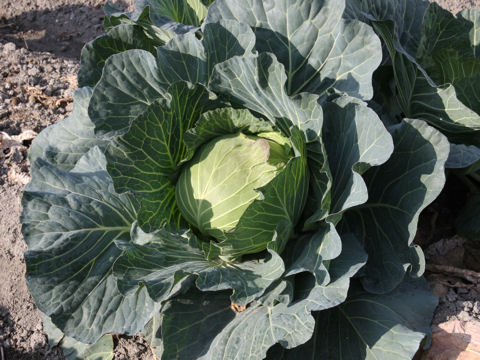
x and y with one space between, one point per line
40 43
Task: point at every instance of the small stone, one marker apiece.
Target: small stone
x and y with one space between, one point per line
14 101
32 99
476 308
9 47
464 316
32 72
467 305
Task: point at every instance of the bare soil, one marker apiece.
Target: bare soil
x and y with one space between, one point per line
40 44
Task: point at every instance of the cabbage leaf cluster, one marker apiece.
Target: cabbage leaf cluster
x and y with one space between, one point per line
231 184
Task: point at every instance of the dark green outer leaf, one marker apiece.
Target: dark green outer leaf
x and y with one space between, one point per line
407 15
399 23
462 156
368 326
121 38
452 54
355 139
73 219
189 12
443 30
190 320
169 257
183 58
152 333
245 335
398 190
189 59
320 50
209 330
225 39
129 85
328 289
441 108
64 143
76 350
309 251
133 80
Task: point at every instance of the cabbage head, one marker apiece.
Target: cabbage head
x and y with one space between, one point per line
223 187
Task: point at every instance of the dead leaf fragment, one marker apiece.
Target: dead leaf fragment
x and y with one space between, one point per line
17 176
8 144
52 102
237 308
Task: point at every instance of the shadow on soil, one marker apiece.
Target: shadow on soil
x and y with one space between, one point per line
8 351
62 31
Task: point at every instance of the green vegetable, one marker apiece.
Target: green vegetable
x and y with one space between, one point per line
228 160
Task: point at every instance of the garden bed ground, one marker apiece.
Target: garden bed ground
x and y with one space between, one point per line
40 43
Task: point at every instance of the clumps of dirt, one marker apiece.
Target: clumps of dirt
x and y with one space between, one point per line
457 287
457 5
32 88
127 347
35 91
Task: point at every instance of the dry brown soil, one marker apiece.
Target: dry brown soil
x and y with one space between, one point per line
40 43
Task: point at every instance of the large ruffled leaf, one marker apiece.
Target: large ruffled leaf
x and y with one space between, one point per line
147 157
329 286
71 221
258 83
129 85
118 39
149 15
221 333
64 143
189 12
190 59
452 56
355 139
168 258
310 251
320 50
398 191
133 80
207 328
404 28
368 326
407 15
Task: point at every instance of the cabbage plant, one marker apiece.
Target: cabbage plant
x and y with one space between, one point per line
223 187
431 71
